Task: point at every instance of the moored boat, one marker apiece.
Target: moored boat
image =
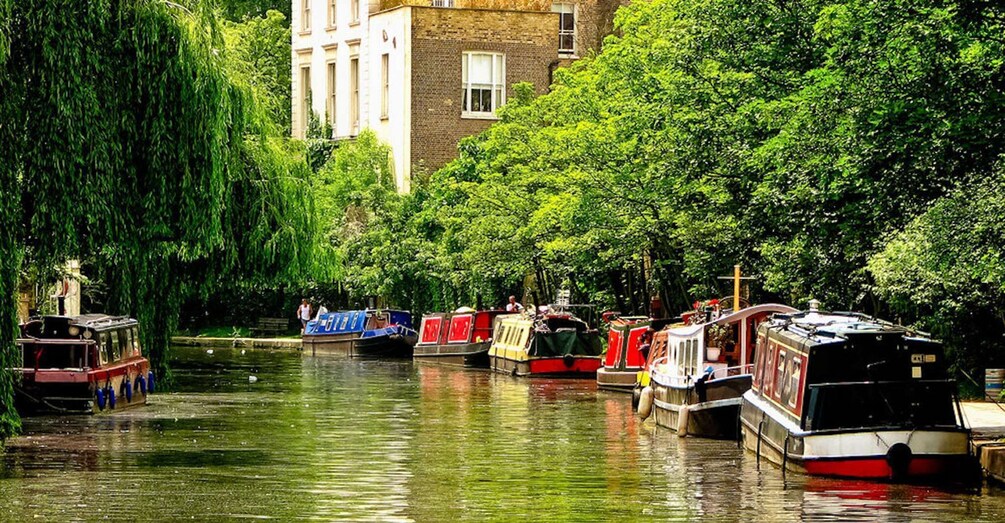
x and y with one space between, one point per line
362 333
627 337
697 372
82 364
555 343
459 338
847 395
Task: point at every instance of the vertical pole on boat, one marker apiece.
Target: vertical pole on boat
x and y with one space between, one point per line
736 288
760 427
785 455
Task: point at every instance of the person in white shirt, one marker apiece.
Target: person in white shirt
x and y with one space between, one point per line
513 305
304 314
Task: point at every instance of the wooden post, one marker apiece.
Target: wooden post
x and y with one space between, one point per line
736 288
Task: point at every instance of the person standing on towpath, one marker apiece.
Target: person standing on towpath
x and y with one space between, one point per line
304 314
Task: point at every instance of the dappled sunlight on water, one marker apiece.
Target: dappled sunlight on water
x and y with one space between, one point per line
336 439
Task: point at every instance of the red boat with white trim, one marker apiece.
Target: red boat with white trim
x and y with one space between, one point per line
461 338
624 358
555 343
83 364
846 395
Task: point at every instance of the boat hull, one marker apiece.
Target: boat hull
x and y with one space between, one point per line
470 355
558 367
617 380
45 392
385 346
716 417
340 344
923 455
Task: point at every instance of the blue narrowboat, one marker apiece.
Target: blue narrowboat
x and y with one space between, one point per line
362 333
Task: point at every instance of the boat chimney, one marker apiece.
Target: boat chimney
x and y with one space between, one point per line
814 305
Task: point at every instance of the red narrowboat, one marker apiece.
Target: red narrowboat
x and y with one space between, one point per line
460 338
83 364
627 338
847 395
555 344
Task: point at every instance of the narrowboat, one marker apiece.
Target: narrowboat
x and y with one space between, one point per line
555 344
82 364
697 372
846 395
460 338
627 339
361 333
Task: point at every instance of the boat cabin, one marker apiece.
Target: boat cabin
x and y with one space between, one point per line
836 371
459 327
722 346
81 342
355 322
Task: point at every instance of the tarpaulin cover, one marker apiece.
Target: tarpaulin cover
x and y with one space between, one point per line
551 344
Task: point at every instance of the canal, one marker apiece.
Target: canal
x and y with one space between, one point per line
336 439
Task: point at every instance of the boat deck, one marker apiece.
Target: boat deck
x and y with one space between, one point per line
987 420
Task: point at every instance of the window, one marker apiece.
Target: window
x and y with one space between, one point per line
566 27
354 8
797 370
354 93
136 341
305 15
483 78
305 99
332 10
384 93
443 3
779 384
330 102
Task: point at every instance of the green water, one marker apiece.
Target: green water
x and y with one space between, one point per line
336 439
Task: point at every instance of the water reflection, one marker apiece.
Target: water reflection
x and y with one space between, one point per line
335 439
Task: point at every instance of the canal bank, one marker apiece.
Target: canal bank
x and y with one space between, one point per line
987 420
237 343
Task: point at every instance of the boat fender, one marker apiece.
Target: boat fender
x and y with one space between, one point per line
682 416
111 398
150 382
128 389
645 407
569 360
141 384
636 394
899 458
100 396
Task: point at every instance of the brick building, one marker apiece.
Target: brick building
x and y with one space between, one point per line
425 73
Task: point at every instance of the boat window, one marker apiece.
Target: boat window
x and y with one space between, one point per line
136 341
797 367
779 375
106 347
116 346
501 335
127 342
345 321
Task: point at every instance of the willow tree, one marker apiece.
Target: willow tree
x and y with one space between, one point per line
127 140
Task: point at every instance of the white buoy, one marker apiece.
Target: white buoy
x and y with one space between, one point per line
209 351
252 379
682 416
646 402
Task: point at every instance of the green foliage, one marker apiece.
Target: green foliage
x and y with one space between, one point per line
238 10
128 140
259 49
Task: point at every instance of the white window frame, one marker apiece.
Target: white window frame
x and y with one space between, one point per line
332 13
305 98
443 3
497 86
332 107
305 16
354 6
354 99
566 8
385 85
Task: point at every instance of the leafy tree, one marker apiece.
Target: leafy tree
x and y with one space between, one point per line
238 10
259 49
125 141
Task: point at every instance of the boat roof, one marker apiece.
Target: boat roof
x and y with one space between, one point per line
730 317
825 327
94 321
